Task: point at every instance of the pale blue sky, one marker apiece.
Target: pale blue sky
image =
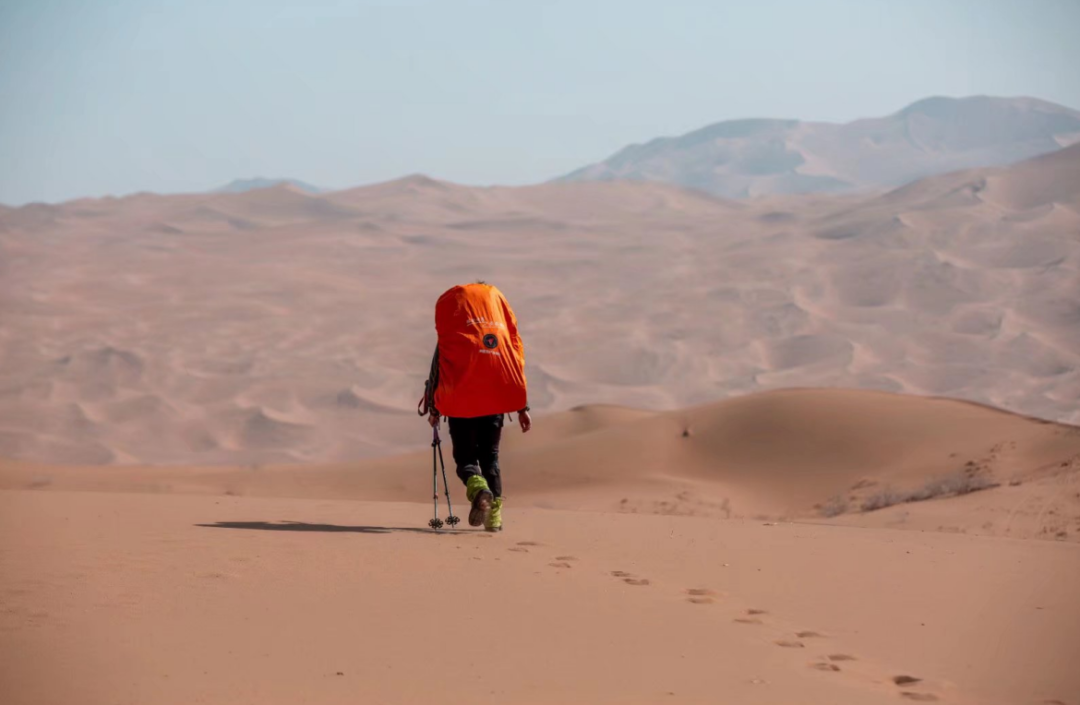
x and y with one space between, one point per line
116 96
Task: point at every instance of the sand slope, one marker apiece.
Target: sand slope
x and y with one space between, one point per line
118 598
698 565
278 326
811 455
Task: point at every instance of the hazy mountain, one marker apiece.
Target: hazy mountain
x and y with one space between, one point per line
740 158
244 185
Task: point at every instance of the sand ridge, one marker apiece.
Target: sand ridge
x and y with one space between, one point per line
848 457
280 326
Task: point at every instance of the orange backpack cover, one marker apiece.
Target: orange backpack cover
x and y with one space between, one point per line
481 357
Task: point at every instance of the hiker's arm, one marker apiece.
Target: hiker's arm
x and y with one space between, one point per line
430 387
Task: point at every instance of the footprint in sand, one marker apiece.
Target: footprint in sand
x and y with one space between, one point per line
752 618
788 644
518 549
809 635
841 657
825 666
565 558
905 680
629 578
700 596
560 564
529 543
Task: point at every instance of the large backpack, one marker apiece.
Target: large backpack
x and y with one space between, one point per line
479 363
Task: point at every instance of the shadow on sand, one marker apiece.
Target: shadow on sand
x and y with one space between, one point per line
302 526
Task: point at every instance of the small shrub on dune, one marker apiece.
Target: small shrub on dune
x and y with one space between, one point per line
934 488
954 485
881 499
962 483
835 506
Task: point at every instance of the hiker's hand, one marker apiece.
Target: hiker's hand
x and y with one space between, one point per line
434 419
525 420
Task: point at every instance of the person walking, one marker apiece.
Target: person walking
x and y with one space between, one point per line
477 378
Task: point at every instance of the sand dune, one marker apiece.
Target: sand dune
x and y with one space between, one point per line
744 482
714 557
810 455
632 294
794 545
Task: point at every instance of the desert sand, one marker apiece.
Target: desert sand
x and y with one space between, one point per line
279 326
806 449
648 557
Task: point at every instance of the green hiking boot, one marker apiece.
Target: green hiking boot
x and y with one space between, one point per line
477 492
494 517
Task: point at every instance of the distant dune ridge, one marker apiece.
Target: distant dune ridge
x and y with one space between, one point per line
244 185
851 456
754 157
278 326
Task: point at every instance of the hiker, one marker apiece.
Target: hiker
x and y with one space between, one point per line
477 379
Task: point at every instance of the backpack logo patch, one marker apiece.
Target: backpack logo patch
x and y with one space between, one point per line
491 341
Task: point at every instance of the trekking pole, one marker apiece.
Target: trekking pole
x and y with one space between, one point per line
436 523
450 519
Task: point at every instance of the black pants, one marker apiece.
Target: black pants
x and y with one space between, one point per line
476 449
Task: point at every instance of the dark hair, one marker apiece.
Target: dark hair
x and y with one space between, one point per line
479 281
